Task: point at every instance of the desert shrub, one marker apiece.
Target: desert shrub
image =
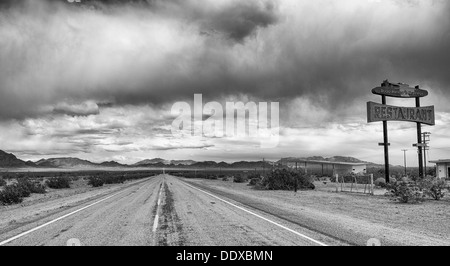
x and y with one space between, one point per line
283 179
380 182
75 178
239 179
96 181
254 175
225 178
254 181
58 182
23 190
405 192
2 182
15 193
113 179
392 180
31 186
200 175
434 187
211 177
12 194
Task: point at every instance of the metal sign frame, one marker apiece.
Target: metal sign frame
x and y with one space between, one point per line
401 90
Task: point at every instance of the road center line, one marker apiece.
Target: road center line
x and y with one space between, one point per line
155 222
259 216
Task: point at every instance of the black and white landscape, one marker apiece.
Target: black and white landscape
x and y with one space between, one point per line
114 115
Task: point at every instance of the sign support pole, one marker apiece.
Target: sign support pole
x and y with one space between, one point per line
386 145
419 141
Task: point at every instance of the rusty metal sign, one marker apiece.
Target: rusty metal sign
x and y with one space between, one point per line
399 90
378 112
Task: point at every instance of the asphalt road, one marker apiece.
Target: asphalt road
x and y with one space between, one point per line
164 210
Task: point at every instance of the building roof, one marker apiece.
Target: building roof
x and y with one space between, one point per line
441 161
324 162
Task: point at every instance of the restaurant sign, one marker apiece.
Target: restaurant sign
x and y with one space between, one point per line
378 112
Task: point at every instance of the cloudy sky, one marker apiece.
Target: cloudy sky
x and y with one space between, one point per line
97 80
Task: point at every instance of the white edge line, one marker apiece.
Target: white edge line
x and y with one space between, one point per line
261 217
55 220
155 223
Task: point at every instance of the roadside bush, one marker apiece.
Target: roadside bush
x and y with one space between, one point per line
225 178
2 182
405 192
95 181
283 179
58 182
434 187
200 175
113 179
380 182
239 179
75 178
31 186
23 190
211 177
11 195
254 181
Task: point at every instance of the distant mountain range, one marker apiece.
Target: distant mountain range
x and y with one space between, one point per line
63 162
342 159
320 158
8 160
165 162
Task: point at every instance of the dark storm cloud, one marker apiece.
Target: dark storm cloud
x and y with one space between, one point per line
273 50
236 19
83 109
180 147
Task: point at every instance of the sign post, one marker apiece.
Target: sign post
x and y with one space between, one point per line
419 141
386 145
382 112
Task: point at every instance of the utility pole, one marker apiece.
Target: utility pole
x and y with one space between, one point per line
426 140
404 160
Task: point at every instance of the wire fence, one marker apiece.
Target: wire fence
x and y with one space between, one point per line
355 184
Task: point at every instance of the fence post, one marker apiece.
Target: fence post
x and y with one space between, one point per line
337 182
371 184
